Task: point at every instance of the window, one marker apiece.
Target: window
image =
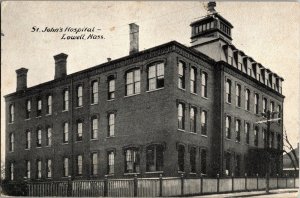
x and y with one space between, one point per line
95 92
249 70
49 168
181 152
247 134
204 84
66 100
39 169
79 165
264 105
49 136
193 119
94 134
156 76
228 127
11 113
279 113
278 141
240 66
28 140
66 167
238 130
66 132
28 109
238 95
133 82
265 137
193 159
204 122
39 108
39 138
154 158
132 161
28 170
111 163
193 80
237 165
230 60
111 125
272 140
94 164
79 96
11 171
227 163
256 104
181 75
272 106
49 105
111 88
79 131
203 156
228 91
181 117
247 99
11 142
256 136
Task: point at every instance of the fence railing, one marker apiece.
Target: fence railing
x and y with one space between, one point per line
156 187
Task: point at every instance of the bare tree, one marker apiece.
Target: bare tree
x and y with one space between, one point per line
290 147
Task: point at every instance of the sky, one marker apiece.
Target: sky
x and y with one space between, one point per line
266 31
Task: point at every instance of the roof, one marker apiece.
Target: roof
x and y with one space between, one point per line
212 16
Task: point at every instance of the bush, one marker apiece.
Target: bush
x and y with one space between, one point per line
14 188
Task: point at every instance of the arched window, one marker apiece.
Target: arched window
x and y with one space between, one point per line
79 130
181 153
79 165
39 137
204 122
238 95
66 100
132 160
204 84
193 80
256 104
111 87
181 75
95 91
181 116
79 96
94 132
264 105
49 136
193 119
247 99
28 109
49 104
228 127
111 124
154 158
28 139
11 113
238 130
66 132
133 82
193 159
228 91
39 107
111 162
11 142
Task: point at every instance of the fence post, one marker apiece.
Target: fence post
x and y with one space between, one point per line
201 185
232 181
25 187
257 181
246 181
160 185
182 184
277 181
286 180
294 180
218 183
135 186
105 186
69 190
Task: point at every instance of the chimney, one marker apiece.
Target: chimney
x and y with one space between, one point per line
134 38
108 59
21 78
211 7
60 65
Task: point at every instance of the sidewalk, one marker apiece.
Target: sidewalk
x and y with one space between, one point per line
273 193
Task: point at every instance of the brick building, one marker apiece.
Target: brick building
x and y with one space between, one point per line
168 110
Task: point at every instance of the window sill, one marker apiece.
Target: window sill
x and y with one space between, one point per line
182 89
38 147
64 143
65 110
49 114
38 116
94 139
48 146
155 172
191 173
247 110
111 100
10 151
93 104
78 141
239 107
109 175
154 90
194 93
78 107
27 149
204 135
110 137
132 95
206 98
180 172
181 130
132 173
27 119
10 123
191 132
229 103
